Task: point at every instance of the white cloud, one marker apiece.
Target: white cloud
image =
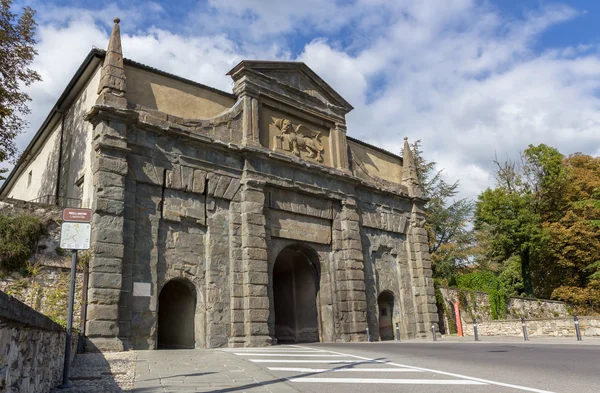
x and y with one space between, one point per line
466 79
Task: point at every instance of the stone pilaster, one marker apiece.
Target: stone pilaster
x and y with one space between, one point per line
109 166
422 276
236 277
255 265
349 275
339 147
217 266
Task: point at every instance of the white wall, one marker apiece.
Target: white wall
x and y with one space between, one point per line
81 131
43 171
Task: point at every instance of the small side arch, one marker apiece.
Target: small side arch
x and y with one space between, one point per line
386 303
176 313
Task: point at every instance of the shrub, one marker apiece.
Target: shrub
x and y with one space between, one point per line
18 236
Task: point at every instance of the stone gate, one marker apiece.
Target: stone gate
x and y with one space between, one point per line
242 219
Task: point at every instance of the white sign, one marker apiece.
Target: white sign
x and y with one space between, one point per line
75 235
141 289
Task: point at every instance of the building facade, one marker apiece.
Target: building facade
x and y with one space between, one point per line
221 219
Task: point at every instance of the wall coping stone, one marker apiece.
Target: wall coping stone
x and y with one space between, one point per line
510 297
13 310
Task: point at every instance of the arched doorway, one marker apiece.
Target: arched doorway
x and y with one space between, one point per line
176 308
295 286
385 302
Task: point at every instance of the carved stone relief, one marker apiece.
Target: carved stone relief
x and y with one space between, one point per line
298 138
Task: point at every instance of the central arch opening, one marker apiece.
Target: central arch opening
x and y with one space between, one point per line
386 311
295 286
176 308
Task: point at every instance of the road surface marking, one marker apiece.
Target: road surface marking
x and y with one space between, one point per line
388 381
329 355
485 381
307 361
356 370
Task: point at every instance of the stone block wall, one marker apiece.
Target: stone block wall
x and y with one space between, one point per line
549 327
516 307
31 348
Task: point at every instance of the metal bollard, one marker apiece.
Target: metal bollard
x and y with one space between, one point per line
397 332
368 335
475 329
433 331
577 329
525 336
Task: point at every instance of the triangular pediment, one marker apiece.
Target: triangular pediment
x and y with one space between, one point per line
299 76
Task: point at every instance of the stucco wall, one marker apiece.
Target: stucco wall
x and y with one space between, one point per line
76 155
173 97
42 169
377 163
77 145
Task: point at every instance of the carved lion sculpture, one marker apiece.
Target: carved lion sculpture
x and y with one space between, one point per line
298 141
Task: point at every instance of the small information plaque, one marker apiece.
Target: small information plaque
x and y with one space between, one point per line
75 235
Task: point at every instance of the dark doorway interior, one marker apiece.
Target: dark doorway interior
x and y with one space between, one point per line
176 307
386 311
295 287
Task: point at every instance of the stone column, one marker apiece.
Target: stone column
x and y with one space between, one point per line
109 166
350 276
254 264
422 276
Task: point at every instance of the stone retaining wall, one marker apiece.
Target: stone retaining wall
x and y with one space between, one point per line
31 348
516 307
550 327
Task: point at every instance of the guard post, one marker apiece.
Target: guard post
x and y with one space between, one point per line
524 325
475 333
577 329
397 332
434 332
75 234
368 335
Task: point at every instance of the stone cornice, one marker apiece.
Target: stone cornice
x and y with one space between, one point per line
135 118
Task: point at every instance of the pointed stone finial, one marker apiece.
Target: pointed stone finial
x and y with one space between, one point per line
409 171
112 87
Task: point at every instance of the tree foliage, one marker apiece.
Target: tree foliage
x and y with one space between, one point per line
17 52
543 218
448 219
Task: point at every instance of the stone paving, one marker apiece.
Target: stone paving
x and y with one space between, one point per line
101 373
201 371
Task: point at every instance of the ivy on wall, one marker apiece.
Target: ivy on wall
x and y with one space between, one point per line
486 282
19 235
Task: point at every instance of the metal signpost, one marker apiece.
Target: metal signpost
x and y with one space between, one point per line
75 234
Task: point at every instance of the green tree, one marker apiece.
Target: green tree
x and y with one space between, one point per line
512 213
16 55
448 219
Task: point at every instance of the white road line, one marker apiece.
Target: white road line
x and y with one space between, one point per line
307 361
333 370
388 381
285 354
508 385
265 350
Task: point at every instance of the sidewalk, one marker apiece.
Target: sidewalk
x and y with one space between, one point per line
204 370
519 340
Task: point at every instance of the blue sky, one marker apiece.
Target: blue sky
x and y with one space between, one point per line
472 79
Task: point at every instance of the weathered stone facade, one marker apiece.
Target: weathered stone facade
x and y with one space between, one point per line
264 220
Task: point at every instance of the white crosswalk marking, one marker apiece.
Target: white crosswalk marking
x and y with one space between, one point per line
328 365
352 370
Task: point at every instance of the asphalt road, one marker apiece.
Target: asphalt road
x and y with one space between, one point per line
421 367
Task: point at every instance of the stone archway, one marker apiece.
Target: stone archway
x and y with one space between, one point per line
176 312
296 275
385 301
